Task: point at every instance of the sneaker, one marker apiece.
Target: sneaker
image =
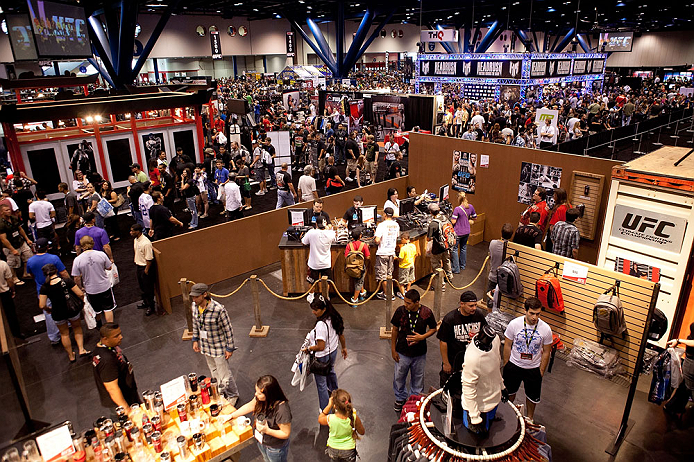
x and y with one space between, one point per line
260 193
222 212
400 296
397 406
349 179
392 297
381 296
354 301
362 295
203 216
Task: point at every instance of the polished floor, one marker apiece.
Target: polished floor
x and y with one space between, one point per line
581 411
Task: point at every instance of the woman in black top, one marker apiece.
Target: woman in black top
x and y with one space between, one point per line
111 223
273 418
680 398
56 290
189 191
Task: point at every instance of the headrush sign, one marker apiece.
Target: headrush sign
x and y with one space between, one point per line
444 35
649 228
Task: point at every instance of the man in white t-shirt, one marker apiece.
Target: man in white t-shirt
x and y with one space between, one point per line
146 203
319 241
43 212
89 270
547 134
526 354
386 237
307 185
391 148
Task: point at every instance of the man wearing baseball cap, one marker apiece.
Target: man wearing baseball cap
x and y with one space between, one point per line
213 336
457 329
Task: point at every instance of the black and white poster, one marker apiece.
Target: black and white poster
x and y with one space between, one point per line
464 172
534 175
152 143
509 94
82 157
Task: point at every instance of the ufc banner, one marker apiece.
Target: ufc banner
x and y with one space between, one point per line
658 230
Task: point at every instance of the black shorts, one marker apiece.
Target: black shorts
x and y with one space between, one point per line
103 301
48 232
531 378
316 274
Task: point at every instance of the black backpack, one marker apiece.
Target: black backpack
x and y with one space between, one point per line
658 326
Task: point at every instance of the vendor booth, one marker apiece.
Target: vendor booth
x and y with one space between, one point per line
508 77
305 76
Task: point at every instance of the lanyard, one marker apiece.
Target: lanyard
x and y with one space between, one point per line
412 322
529 340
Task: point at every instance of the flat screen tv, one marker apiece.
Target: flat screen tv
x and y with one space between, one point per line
616 41
21 37
60 30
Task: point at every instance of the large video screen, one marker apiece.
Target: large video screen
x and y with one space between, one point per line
616 41
60 30
21 37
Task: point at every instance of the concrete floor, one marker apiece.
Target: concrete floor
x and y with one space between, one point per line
581 411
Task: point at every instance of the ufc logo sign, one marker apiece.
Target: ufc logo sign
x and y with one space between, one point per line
633 222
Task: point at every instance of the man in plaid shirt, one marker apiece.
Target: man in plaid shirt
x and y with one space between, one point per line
565 236
214 338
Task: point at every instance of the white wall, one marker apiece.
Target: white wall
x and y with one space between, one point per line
657 49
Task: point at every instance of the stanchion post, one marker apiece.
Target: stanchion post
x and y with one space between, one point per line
438 293
258 330
323 285
185 295
386 331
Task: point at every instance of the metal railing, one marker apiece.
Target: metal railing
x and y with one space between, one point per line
631 141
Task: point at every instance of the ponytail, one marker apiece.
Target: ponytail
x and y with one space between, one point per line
343 404
352 423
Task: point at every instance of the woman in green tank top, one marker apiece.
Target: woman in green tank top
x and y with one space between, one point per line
345 427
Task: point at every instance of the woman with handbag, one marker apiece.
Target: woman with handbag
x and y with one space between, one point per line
462 218
67 301
327 336
93 199
273 419
116 201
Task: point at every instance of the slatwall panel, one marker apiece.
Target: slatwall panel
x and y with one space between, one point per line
579 299
588 223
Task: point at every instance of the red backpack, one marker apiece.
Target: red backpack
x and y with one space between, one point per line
548 290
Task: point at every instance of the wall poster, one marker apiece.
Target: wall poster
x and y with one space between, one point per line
639 270
464 171
534 175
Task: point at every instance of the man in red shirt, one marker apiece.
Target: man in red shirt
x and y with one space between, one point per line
540 206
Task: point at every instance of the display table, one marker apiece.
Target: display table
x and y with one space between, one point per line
294 258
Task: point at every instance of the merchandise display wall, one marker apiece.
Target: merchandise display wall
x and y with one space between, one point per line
252 242
497 186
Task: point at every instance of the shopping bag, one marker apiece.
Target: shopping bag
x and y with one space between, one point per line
104 208
89 314
113 275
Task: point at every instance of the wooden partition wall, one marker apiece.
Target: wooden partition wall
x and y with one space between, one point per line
220 252
430 166
637 296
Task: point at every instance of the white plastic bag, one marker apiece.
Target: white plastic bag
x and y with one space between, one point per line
89 314
302 376
113 275
676 376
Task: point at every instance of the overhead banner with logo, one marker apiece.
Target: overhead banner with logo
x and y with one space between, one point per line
291 49
444 35
540 68
482 68
215 44
653 229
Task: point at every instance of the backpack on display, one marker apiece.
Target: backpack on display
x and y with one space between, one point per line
608 314
446 238
355 262
508 279
659 324
548 290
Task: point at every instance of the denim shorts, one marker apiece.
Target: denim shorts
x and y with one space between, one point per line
342 455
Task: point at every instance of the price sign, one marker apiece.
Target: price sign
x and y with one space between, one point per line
174 392
574 272
55 444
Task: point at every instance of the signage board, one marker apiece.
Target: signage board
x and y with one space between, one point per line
216 44
483 68
291 46
443 35
658 230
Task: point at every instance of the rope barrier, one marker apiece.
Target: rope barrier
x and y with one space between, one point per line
332 283
288 298
473 281
229 294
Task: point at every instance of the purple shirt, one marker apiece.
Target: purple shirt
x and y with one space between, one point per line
98 234
462 225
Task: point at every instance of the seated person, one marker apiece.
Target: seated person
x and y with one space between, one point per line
421 201
318 212
351 216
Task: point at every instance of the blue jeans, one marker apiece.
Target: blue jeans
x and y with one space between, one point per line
459 262
284 198
137 216
51 329
274 454
99 220
414 365
193 211
326 383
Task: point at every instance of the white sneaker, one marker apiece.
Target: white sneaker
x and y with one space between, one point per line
260 193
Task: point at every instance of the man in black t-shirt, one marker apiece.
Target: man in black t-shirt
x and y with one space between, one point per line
135 190
168 189
113 374
351 216
160 218
319 212
531 234
412 324
456 332
286 194
352 153
395 170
